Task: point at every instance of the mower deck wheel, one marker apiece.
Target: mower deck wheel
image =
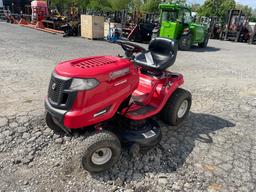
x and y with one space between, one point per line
177 107
100 151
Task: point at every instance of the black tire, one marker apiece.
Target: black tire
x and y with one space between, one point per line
95 142
50 123
185 42
252 40
221 36
205 43
169 114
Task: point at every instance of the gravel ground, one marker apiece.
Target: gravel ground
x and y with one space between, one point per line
213 150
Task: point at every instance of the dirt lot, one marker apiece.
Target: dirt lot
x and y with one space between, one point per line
214 150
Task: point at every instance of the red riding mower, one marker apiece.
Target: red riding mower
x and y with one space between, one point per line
116 98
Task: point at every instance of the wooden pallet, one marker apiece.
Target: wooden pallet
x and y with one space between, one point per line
96 39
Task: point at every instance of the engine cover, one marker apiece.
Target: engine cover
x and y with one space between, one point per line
99 67
117 78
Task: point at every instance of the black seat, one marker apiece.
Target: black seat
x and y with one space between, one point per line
161 54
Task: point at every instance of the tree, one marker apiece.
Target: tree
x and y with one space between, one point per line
207 9
175 1
136 5
99 5
62 4
182 1
254 13
195 7
225 6
83 3
253 16
117 5
135 8
151 6
245 8
216 7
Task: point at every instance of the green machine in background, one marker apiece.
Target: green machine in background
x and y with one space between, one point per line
176 23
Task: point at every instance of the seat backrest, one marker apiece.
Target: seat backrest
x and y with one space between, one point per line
164 47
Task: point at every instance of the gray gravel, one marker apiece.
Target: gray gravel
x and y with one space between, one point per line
213 150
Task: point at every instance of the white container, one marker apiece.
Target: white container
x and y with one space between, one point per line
110 25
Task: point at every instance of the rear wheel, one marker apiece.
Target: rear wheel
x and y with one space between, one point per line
177 107
185 42
100 151
205 43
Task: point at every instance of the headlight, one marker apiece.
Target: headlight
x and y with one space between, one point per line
83 84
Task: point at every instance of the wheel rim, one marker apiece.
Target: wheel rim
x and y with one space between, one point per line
186 42
101 156
182 109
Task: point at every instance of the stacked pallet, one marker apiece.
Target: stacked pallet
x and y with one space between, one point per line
92 27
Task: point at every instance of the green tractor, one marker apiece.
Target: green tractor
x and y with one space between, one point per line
176 23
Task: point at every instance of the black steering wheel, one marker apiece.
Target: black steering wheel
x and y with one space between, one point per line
130 48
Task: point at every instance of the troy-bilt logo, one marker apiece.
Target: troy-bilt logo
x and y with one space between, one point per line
53 86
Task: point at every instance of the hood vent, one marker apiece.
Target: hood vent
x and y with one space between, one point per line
94 62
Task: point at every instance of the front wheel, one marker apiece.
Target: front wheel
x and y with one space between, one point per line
177 107
185 42
100 151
